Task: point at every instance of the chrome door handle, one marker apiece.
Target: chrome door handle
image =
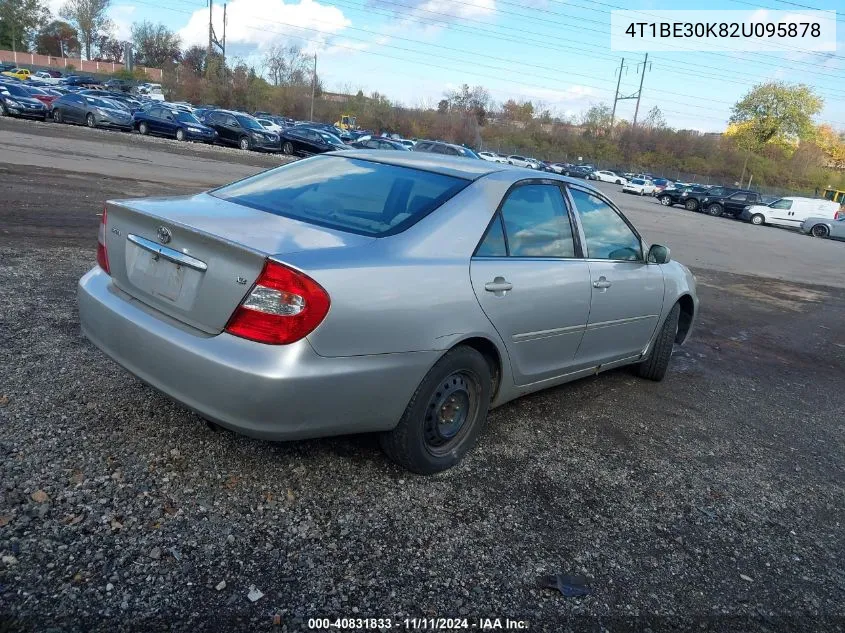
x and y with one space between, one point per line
602 283
498 285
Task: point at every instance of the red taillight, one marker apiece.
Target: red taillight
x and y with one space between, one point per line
102 251
283 306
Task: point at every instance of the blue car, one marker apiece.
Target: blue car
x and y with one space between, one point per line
165 121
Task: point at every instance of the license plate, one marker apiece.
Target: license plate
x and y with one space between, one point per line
161 277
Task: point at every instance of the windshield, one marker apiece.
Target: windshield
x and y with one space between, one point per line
349 194
187 117
638 181
249 123
328 137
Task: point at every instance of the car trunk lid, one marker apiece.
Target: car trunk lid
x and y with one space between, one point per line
195 258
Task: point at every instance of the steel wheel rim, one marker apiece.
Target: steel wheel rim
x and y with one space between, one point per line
819 231
450 410
90 120
756 220
665 201
244 144
180 135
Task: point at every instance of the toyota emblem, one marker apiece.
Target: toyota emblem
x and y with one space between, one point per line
164 234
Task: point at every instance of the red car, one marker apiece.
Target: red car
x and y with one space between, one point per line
44 96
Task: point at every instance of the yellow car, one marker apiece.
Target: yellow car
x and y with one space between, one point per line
18 73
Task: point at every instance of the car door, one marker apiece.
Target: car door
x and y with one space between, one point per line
531 281
780 212
76 109
626 291
735 203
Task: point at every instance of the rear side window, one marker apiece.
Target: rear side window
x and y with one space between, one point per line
349 194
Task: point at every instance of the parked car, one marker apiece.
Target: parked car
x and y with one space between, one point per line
16 100
121 85
492 157
377 142
408 143
728 201
306 141
825 227
80 80
164 121
18 73
558 168
578 171
520 161
91 111
240 302
46 77
638 186
269 125
681 195
448 149
241 130
791 211
150 91
608 176
44 96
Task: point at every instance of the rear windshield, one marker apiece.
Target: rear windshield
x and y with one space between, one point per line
349 194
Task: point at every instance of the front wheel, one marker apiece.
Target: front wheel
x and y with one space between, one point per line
143 130
654 367
244 143
57 116
180 134
666 201
445 415
820 230
715 210
287 148
89 121
690 205
618 182
757 219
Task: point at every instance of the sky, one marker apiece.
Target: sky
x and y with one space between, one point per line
555 53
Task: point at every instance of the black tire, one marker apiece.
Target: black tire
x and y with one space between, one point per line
425 442
287 148
691 205
57 116
244 143
90 121
180 134
3 111
758 220
618 182
654 367
715 210
666 201
819 230
143 129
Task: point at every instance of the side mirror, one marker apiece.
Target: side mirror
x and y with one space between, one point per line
658 254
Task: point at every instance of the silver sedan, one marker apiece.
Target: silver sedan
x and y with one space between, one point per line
834 228
403 293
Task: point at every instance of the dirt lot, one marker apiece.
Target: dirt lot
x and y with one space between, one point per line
713 500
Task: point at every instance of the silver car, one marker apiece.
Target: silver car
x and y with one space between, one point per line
396 292
825 227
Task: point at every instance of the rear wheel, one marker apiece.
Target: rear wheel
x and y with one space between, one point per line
691 205
244 143
180 134
757 219
89 121
287 148
445 415
654 367
57 116
715 210
618 182
143 130
820 230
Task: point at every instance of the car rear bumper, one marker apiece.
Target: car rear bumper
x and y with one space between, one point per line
275 392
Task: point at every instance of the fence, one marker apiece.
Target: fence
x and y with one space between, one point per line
79 65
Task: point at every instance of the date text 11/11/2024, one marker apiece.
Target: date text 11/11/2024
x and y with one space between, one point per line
417 624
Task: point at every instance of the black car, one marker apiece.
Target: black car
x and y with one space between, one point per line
578 171
241 130
730 202
119 84
377 142
17 100
305 141
687 196
91 111
449 149
80 80
164 121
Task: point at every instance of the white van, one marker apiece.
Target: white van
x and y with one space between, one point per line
791 211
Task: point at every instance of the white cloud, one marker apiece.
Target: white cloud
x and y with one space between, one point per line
262 23
122 16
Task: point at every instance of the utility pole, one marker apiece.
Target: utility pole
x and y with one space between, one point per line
640 91
616 95
313 87
224 34
210 28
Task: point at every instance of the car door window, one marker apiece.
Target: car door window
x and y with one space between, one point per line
606 233
537 222
231 121
782 204
493 242
739 197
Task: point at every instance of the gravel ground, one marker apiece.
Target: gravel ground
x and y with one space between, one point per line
713 500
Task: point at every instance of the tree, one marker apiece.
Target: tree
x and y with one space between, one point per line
19 21
109 49
654 119
777 111
155 45
596 120
194 59
57 39
474 101
288 66
90 19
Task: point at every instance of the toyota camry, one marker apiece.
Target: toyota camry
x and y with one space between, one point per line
402 293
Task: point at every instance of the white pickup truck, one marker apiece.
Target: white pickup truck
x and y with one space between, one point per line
45 77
